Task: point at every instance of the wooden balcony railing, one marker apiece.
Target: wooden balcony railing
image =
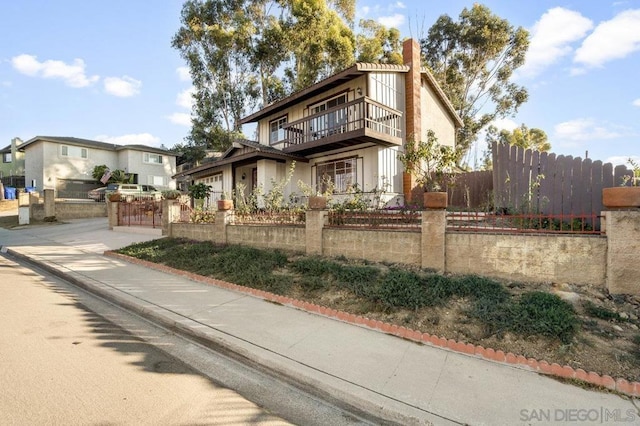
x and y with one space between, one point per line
360 119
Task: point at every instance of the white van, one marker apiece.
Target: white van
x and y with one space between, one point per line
132 191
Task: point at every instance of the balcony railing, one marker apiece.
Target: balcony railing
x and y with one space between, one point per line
360 120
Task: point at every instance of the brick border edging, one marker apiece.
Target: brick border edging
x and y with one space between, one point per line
554 369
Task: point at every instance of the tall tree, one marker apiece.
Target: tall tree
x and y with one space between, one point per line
320 38
473 59
522 136
214 39
378 44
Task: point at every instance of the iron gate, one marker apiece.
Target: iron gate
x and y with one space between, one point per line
145 212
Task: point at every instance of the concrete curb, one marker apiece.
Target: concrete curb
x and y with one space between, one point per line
566 372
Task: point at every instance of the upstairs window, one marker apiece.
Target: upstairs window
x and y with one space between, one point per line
276 130
74 151
6 157
152 158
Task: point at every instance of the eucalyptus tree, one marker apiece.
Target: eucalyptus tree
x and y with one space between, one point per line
473 59
376 43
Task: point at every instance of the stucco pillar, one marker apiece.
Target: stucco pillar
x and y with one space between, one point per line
623 246
434 224
223 218
170 214
314 222
112 213
49 203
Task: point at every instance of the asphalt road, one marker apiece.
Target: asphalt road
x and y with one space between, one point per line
62 363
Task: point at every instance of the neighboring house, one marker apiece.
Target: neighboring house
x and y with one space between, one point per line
348 128
12 166
66 164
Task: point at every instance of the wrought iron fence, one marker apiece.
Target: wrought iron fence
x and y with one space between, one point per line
141 212
523 223
403 220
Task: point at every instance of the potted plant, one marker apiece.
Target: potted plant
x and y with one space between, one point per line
224 203
199 192
171 194
432 165
627 195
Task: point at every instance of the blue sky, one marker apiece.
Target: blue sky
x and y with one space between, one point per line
106 70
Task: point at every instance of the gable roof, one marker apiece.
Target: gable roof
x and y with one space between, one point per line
93 144
341 77
244 150
350 73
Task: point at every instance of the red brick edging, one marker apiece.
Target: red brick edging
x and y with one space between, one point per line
554 369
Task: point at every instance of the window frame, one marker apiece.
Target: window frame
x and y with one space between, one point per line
65 151
285 120
146 156
341 186
6 155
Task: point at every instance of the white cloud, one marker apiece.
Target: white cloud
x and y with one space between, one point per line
185 98
131 139
505 124
613 39
364 10
620 160
399 5
636 102
180 118
122 87
183 73
393 21
583 129
551 38
73 75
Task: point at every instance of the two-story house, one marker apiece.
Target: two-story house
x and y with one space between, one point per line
66 164
347 128
12 166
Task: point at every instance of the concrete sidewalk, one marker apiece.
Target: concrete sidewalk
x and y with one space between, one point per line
390 377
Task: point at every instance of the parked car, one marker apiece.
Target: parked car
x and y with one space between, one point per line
131 192
97 194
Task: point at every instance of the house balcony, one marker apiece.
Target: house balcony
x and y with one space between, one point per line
357 122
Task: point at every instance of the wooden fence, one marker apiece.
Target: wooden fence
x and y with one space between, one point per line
540 182
472 190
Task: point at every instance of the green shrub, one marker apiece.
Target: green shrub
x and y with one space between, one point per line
402 289
314 266
361 280
600 312
539 313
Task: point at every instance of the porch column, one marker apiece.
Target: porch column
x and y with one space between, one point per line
434 224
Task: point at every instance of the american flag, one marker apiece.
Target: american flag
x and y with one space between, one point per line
105 177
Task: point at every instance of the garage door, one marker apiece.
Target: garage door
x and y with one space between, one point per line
74 188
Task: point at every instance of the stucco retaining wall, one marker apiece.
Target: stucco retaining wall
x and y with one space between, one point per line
290 238
376 246
69 210
535 258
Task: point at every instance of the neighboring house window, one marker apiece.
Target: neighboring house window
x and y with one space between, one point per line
6 157
157 180
341 172
276 130
74 151
152 158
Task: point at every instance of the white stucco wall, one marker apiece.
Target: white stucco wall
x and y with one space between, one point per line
436 117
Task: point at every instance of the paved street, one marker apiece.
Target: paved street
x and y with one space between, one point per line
64 364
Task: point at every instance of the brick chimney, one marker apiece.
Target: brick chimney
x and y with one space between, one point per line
413 125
